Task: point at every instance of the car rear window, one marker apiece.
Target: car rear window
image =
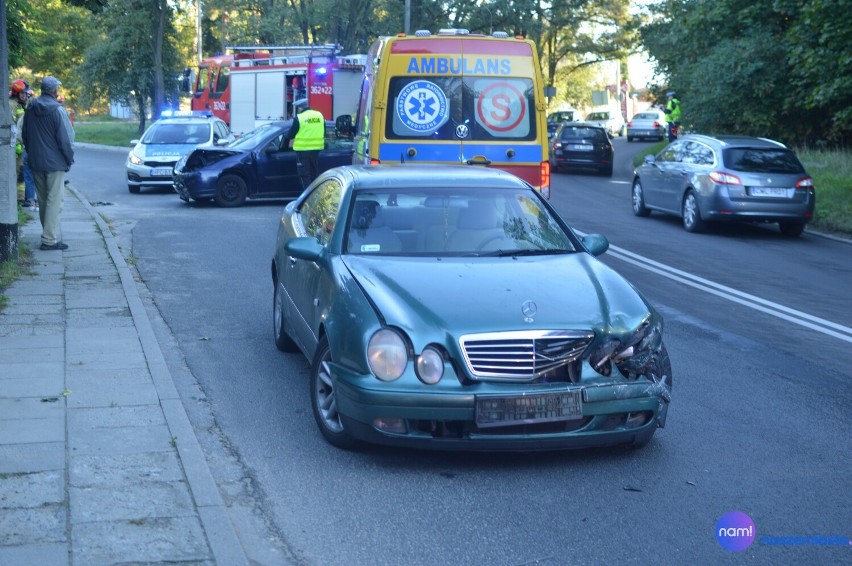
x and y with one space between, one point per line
575 132
646 116
598 116
762 160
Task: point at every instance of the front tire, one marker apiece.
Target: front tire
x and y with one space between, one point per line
639 208
231 191
134 189
691 214
282 341
324 399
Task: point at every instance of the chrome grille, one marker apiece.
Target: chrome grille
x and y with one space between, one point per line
522 355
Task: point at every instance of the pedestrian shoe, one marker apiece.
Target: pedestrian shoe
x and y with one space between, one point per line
56 246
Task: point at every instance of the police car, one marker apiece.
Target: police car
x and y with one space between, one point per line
152 160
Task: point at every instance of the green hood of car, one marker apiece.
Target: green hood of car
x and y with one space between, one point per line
426 296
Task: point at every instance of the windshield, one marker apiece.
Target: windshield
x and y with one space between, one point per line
251 140
768 160
597 116
434 107
453 221
186 133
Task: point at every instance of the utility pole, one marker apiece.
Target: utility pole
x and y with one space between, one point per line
198 28
8 171
407 16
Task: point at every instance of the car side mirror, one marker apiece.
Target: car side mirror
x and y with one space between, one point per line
306 248
650 159
597 244
134 142
343 125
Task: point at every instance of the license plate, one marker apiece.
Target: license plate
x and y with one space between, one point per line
528 409
579 147
161 172
768 192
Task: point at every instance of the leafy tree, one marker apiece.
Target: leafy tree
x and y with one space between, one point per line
758 68
135 64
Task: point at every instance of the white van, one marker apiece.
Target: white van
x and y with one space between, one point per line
612 122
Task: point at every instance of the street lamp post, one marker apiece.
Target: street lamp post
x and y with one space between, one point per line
490 20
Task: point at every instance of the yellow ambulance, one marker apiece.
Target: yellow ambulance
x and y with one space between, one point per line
455 97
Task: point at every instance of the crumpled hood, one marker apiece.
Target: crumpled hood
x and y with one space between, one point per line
468 295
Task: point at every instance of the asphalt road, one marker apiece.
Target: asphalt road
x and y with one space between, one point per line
758 326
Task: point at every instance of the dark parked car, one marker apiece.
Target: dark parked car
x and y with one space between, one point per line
706 179
450 307
260 164
581 145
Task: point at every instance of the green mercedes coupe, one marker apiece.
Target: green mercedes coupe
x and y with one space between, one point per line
450 307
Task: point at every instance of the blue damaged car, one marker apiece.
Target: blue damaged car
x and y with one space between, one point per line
260 164
450 307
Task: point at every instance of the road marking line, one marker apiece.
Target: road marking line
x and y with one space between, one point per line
757 303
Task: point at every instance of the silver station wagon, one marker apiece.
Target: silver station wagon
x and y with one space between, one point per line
726 178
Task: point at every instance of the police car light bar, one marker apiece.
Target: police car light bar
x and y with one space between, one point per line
186 113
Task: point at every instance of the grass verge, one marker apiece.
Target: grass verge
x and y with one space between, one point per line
106 133
11 270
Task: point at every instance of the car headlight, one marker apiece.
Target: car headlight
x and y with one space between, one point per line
632 353
134 160
430 366
387 355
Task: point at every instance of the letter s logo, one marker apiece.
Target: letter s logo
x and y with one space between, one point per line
501 102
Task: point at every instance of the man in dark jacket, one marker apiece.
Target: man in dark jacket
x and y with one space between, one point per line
46 138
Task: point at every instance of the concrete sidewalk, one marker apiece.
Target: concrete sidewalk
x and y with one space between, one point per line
98 461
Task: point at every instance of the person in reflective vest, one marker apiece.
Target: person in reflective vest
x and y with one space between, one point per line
308 136
673 115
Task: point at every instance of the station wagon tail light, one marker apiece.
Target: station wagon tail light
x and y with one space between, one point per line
387 355
630 124
805 183
725 178
430 366
374 161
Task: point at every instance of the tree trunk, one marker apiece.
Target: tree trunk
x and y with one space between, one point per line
160 11
8 171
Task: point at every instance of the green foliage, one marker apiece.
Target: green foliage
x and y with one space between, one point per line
135 60
106 133
832 175
773 68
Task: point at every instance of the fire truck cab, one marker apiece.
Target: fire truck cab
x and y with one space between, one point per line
257 85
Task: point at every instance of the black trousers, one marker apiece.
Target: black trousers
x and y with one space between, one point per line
308 166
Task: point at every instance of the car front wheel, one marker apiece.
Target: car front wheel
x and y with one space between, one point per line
282 341
691 214
134 189
324 400
230 191
639 208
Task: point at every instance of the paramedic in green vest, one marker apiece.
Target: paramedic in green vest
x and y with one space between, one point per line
308 139
673 114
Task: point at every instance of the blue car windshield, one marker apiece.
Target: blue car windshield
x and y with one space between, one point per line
453 221
251 140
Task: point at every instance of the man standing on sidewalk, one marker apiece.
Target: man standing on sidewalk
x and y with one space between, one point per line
50 153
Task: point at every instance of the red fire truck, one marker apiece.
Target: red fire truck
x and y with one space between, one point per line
258 84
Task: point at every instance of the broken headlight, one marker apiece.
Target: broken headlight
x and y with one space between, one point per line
632 353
